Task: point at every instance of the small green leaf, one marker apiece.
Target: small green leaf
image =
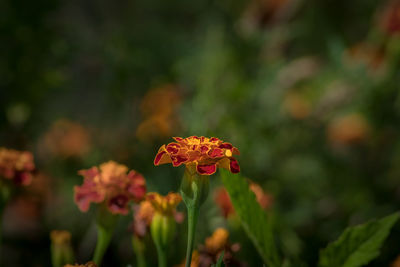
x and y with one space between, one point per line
220 260
252 217
358 245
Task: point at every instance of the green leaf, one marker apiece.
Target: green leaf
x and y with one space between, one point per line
220 260
358 245
252 217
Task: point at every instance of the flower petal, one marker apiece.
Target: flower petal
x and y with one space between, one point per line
162 158
118 204
216 153
206 169
225 145
179 159
173 148
234 166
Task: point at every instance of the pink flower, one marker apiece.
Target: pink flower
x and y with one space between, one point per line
111 184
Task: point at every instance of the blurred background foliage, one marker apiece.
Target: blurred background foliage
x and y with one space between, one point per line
307 90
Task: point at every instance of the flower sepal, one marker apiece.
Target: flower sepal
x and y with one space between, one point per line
194 187
106 222
162 230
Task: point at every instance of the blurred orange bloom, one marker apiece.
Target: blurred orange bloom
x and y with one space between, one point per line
16 166
112 184
217 241
89 264
154 202
165 205
158 108
205 153
396 262
367 54
66 138
297 106
223 200
209 253
348 129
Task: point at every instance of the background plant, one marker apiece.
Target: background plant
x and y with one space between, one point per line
308 92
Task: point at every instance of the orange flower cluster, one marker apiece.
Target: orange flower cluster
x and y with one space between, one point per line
209 253
164 205
158 108
16 166
155 202
66 138
112 184
206 154
348 129
223 200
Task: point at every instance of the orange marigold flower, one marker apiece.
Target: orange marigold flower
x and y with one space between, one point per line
154 202
205 153
112 184
16 166
217 241
195 260
164 205
209 253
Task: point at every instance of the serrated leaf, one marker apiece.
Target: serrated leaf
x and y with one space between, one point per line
358 245
252 217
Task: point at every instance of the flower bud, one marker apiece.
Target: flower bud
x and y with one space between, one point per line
162 229
61 250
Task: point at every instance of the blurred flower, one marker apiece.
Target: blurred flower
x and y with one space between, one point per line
66 138
396 262
366 54
89 264
203 153
297 106
209 253
217 241
348 129
158 108
298 70
154 202
16 166
60 237
262 12
164 205
390 18
112 184
221 197
61 249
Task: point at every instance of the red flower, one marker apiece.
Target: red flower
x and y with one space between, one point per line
112 184
16 166
205 153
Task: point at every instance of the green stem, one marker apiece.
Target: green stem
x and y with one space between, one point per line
194 191
193 213
103 240
162 256
138 248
